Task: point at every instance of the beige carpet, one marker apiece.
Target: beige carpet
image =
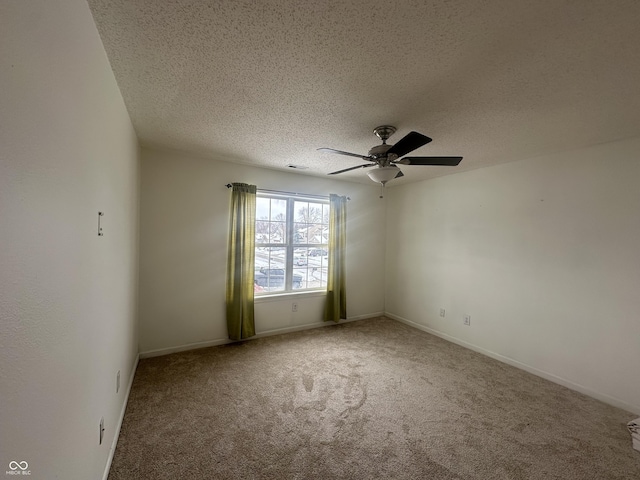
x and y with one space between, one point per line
368 399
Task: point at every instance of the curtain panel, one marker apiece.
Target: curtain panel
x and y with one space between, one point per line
241 261
336 304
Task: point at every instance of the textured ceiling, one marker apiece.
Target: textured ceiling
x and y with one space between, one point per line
267 82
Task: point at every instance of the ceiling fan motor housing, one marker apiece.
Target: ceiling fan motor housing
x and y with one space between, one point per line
379 151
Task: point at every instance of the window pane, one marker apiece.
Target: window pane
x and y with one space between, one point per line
278 210
270 269
299 236
262 231
315 234
315 213
325 234
311 266
308 227
263 208
300 233
277 232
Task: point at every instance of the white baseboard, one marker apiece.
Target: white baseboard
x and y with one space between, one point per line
266 333
308 326
183 348
365 316
116 435
603 397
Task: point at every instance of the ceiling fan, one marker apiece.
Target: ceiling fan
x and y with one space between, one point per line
387 157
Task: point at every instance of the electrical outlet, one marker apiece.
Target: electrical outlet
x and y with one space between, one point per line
118 382
101 429
467 320
442 312
294 307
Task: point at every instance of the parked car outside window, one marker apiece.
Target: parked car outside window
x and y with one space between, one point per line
274 277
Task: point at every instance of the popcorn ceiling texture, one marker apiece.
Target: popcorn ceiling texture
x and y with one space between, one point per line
266 83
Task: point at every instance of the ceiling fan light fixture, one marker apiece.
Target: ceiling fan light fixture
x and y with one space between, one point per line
383 174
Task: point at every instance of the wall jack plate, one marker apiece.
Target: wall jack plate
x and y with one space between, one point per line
101 429
100 215
467 320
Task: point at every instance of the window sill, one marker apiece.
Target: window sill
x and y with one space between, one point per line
275 297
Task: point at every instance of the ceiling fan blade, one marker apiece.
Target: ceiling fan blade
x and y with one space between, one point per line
445 161
340 152
409 143
352 168
400 174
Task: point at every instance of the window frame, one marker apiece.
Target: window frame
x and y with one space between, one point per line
289 245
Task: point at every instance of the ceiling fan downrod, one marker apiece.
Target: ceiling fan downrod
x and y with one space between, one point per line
383 132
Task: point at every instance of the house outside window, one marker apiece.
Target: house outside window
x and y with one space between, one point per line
291 244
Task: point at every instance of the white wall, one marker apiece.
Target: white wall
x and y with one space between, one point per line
67 296
544 255
184 211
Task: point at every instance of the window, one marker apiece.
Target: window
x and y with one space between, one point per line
291 244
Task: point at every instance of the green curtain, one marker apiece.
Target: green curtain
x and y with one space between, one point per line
240 262
336 305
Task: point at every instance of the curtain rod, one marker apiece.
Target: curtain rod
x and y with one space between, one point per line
282 192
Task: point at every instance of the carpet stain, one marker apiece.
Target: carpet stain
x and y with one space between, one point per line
354 394
307 381
288 407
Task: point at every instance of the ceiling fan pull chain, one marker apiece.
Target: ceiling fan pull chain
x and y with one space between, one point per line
381 190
